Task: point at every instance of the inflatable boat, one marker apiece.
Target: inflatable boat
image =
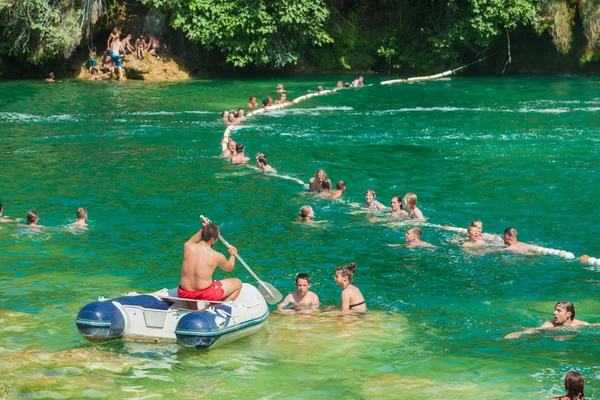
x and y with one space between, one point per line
163 317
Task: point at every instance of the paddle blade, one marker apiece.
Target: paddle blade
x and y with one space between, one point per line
271 295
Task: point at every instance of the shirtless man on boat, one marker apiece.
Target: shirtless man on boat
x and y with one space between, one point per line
199 264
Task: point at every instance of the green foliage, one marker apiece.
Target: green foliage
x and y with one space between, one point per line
478 22
36 30
260 32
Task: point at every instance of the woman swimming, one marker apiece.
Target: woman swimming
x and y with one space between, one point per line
306 213
352 298
397 210
316 182
410 204
371 203
573 386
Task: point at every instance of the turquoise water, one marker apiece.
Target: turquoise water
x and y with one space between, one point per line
141 157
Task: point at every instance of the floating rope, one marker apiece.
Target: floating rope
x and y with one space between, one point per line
538 249
436 76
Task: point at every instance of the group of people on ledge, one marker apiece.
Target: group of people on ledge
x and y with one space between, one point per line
32 219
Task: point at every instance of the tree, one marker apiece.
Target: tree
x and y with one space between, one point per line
261 32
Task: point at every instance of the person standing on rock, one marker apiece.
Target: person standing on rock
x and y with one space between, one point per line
127 44
140 47
115 53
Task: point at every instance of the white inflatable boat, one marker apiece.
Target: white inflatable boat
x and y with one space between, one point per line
163 317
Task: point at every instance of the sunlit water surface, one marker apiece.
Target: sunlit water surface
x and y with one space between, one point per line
141 158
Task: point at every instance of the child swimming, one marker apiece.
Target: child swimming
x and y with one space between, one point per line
302 298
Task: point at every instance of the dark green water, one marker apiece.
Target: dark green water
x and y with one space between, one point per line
519 152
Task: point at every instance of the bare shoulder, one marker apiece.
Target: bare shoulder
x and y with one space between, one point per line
548 324
577 322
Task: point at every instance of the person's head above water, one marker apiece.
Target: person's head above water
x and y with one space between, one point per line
262 160
413 234
231 117
265 102
345 273
410 201
396 203
231 146
370 195
340 84
319 88
81 213
510 235
321 175
474 233
340 185
574 385
32 217
564 311
225 114
478 224
239 148
326 185
306 213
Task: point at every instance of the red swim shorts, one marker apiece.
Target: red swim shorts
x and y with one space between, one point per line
213 292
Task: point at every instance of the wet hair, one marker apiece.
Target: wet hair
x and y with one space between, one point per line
340 185
476 221
326 185
210 231
225 112
32 216
240 110
372 192
399 200
51 75
236 114
347 271
263 160
346 84
511 232
411 201
81 213
568 306
304 211
472 228
265 102
416 231
251 97
321 171
303 276
574 385
239 147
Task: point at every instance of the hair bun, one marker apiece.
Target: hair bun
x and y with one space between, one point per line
352 267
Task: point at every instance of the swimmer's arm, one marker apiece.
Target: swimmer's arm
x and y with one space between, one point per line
516 335
288 299
345 301
315 303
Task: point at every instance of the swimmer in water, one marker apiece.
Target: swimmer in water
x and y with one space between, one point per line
413 238
358 82
319 89
339 190
510 240
475 240
352 298
306 213
574 386
239 157
302 298
372 203
230 150
485 236
50 78
410 204
81 218
564 316
263 164
225 116
32 220
326 189
316 183
282 99
240 115
280 88
231 119
6 219
340 85
397 211
252 103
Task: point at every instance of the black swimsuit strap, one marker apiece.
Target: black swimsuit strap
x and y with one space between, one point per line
357 304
